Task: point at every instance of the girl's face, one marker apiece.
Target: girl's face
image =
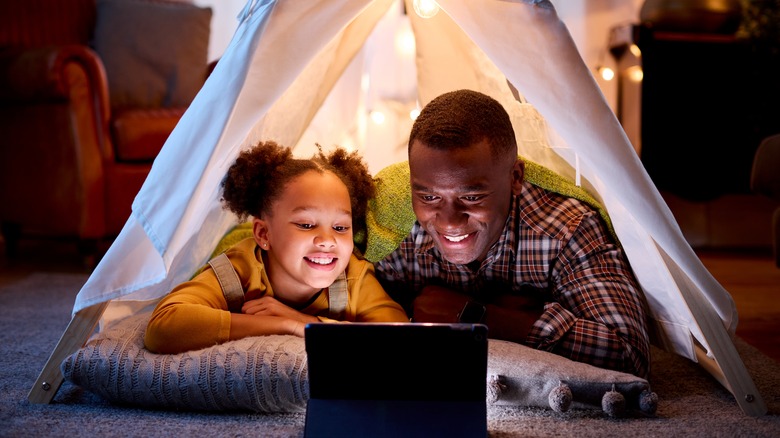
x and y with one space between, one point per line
308 236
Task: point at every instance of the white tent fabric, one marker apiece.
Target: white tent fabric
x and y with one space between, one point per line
278 69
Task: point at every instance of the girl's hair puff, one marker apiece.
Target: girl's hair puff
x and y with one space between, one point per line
353 172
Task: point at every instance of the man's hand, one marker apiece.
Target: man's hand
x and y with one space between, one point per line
438 304
509 317
519 302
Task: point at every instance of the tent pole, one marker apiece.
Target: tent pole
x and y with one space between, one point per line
81 326
725 364
731 372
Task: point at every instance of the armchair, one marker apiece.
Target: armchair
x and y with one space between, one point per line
765 180
75 150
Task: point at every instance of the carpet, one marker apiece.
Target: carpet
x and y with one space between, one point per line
36 310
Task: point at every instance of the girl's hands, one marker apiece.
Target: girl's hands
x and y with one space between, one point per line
293 320
269 306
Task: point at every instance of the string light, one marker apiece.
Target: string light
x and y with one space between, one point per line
635 73
426 8
378 117
404 42
606 73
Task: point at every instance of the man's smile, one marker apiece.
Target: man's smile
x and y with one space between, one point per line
455 238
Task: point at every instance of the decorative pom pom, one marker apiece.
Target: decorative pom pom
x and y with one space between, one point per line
613 403
560 398
495 387
648 402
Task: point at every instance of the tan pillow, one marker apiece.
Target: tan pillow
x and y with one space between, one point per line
155 52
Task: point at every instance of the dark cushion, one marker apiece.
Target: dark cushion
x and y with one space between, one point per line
155 53
139 134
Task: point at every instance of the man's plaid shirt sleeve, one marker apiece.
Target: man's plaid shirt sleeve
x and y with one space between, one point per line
596 315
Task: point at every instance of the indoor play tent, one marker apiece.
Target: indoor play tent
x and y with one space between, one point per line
277 71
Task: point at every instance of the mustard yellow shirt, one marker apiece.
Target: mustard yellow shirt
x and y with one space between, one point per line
195 314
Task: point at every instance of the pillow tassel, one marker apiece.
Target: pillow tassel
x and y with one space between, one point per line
613 403
560 397
495 387
648 402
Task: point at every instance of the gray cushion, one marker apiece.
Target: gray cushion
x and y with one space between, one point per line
155 53
270 374
259 374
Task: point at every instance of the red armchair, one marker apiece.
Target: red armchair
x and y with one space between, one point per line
71 159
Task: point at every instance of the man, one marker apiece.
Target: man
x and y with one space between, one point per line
539 268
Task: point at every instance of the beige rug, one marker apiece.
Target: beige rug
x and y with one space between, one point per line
36 310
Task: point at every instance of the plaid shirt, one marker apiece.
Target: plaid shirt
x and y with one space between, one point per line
556 246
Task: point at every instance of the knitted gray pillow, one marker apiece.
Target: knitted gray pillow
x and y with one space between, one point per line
259 374
270 374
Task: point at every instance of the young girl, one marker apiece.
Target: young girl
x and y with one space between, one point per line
297 268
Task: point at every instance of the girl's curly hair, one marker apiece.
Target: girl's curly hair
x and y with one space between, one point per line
260 174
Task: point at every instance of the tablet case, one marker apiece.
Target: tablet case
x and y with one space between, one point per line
396 379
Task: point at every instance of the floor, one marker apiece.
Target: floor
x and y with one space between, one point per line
753 281
750 276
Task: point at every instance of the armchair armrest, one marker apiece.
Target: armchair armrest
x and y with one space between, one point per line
59 73
766 161
41 74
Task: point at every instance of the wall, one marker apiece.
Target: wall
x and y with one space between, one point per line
589 22
223 23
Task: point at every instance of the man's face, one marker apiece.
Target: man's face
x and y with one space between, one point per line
461 197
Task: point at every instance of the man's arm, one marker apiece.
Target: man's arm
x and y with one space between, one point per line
594 314
597 314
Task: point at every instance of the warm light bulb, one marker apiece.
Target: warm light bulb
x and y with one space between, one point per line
606 73
378 117
635 50
635 73
404 42
426 8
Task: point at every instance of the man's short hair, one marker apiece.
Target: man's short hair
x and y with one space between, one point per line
462 118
